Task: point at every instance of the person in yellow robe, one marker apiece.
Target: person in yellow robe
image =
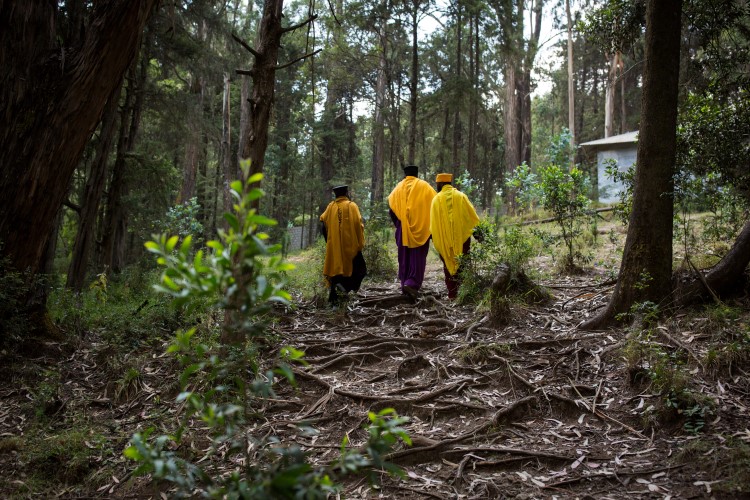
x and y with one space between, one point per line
452 222
409 207
344 267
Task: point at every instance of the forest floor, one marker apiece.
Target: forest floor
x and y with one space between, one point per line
533 409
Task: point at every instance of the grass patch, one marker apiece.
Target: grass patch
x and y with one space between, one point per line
479 352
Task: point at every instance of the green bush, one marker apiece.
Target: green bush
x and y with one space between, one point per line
565 194
379 245
478 268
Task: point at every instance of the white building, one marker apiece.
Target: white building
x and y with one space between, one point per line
622 150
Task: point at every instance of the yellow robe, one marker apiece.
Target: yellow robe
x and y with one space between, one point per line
452 220
410 200
345 236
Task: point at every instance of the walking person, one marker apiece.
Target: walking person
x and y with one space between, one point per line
341 225
409 207
452 222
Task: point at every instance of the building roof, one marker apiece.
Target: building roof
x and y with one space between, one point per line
622 139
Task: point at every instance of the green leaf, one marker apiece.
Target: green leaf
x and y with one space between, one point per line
132 453
186 243
152 246
171 242
233 221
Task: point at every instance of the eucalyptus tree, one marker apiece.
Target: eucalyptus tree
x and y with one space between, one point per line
646 268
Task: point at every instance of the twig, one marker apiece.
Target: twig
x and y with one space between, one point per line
703 280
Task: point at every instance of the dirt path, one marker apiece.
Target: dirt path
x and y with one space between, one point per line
533 410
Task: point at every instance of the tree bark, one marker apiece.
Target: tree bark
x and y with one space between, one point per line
50 107
92 198
722 278
646 268
609 100
263 75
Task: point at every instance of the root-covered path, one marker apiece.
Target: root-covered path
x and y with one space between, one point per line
535 409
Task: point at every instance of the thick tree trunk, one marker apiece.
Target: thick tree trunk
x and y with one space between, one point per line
646 269
92 198
723 277
263 74
50 109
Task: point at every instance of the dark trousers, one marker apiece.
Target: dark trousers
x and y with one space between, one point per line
452 281
349 283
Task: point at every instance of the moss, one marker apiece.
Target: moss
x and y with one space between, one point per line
66 457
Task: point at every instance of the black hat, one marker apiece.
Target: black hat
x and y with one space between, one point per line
412 170
341 190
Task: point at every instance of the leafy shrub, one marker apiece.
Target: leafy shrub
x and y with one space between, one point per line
478 268
565 194
378 251
525 184
183 219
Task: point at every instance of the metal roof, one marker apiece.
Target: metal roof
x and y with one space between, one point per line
627 138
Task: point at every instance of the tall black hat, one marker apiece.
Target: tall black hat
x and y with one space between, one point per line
342 190
412 170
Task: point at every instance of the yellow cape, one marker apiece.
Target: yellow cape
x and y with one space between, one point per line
452 220
410 200
345 236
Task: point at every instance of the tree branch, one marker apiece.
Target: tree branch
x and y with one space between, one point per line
72 206
248 72
297 26
245 45
286 65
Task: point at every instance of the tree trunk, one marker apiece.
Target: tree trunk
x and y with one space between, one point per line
524 89
378 135
115 224
226 143
50 109
92 198
512 131
413 84
263 74
609 100
474 94
723 277
646 268
244 131
457 93
571 85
